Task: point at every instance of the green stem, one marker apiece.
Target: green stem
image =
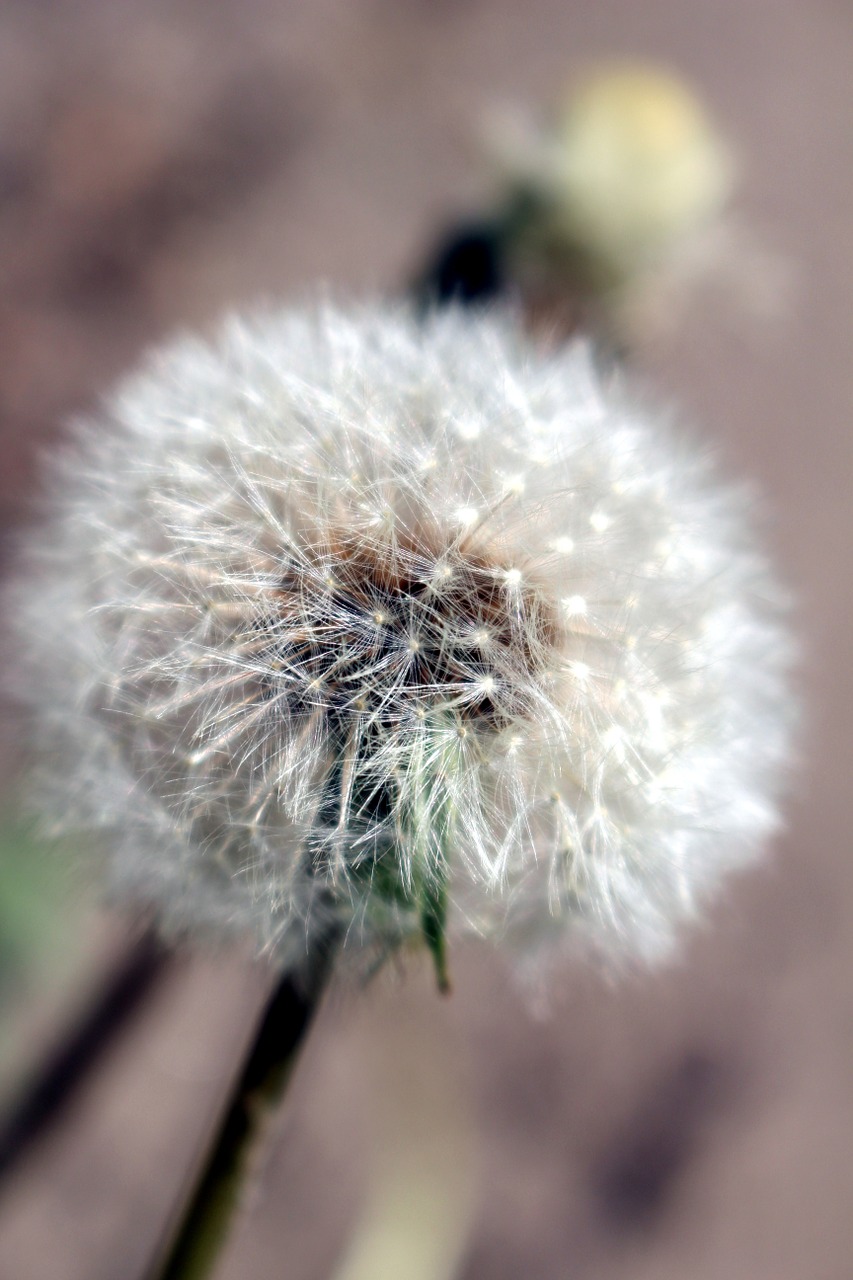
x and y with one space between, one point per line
193 1248
433 916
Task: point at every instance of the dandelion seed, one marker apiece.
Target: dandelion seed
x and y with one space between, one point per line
467 515
287 713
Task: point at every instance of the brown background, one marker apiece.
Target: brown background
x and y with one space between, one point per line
158 162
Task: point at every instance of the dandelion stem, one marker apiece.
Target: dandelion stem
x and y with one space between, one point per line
433 913
53 1086
194 1246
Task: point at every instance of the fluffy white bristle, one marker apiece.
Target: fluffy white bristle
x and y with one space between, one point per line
346 598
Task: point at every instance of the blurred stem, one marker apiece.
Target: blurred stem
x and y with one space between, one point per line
51 1087
194 1247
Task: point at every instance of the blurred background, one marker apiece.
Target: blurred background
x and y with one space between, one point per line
159 163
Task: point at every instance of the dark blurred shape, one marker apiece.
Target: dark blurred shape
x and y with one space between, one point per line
637 1175
467 267
121 995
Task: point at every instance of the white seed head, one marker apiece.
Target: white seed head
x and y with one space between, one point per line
295 675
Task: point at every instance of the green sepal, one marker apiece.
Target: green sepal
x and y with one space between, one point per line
432 908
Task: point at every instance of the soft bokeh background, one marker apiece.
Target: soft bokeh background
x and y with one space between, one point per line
159 162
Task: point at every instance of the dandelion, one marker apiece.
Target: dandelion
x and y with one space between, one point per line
628 167
353 622
616 204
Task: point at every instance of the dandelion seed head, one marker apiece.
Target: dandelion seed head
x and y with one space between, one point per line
303 626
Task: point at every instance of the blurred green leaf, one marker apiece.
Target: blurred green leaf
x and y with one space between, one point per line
40 905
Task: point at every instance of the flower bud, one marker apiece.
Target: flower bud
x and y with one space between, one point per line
628 167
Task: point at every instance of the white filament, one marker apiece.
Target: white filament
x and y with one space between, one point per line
346 585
